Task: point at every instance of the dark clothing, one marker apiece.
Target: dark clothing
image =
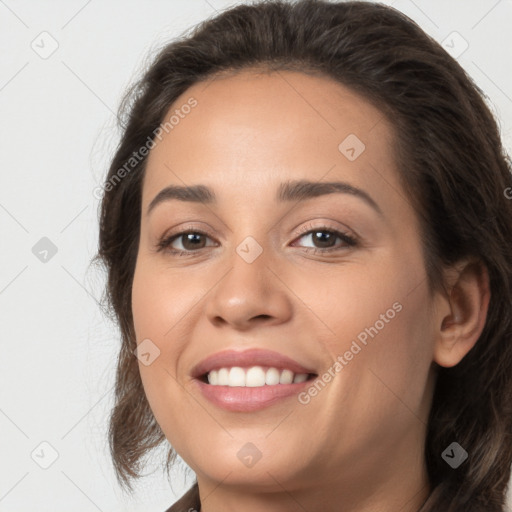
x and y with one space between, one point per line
189 502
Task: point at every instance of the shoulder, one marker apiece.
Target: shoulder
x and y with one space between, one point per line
189 502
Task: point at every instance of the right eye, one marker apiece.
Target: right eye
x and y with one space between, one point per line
190 242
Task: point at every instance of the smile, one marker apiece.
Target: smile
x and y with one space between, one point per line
253 377
250 380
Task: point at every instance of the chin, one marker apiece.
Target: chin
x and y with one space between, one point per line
257 464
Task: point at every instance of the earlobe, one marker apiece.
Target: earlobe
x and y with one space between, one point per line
462 312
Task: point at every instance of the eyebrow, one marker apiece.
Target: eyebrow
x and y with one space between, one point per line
299 190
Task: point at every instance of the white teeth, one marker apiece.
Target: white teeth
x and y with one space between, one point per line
223 377
272 377
213 377
236 376
286 377
253 377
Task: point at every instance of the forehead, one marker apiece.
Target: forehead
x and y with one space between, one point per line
254 128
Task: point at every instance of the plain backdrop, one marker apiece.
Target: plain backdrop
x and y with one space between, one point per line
64 67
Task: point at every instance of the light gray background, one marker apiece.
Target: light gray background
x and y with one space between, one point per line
57 133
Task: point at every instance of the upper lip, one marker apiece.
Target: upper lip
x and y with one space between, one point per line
247 358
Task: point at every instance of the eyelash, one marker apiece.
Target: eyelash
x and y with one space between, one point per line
350 241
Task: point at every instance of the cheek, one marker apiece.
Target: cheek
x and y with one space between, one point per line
161 301
157 308
165 305
393 330
360 300
376 318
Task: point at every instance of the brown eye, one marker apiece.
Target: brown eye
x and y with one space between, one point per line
191 241
186 241
324 239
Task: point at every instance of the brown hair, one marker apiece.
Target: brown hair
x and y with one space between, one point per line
451 163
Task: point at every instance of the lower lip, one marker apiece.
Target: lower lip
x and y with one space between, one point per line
246 399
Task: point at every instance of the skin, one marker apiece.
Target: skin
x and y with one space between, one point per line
358 444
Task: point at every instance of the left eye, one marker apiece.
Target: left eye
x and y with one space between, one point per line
326 238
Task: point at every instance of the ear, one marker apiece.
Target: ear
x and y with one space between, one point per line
461 312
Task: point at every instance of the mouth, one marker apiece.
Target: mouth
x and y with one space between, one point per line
245 381
253 376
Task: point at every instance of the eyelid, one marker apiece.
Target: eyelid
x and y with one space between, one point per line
326 227
188 227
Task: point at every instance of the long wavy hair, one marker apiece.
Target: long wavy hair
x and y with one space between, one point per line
451 163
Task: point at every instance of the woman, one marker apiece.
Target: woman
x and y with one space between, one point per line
308 241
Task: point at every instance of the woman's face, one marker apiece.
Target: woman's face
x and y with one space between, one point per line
271 272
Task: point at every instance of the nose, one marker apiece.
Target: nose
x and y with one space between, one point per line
249 294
